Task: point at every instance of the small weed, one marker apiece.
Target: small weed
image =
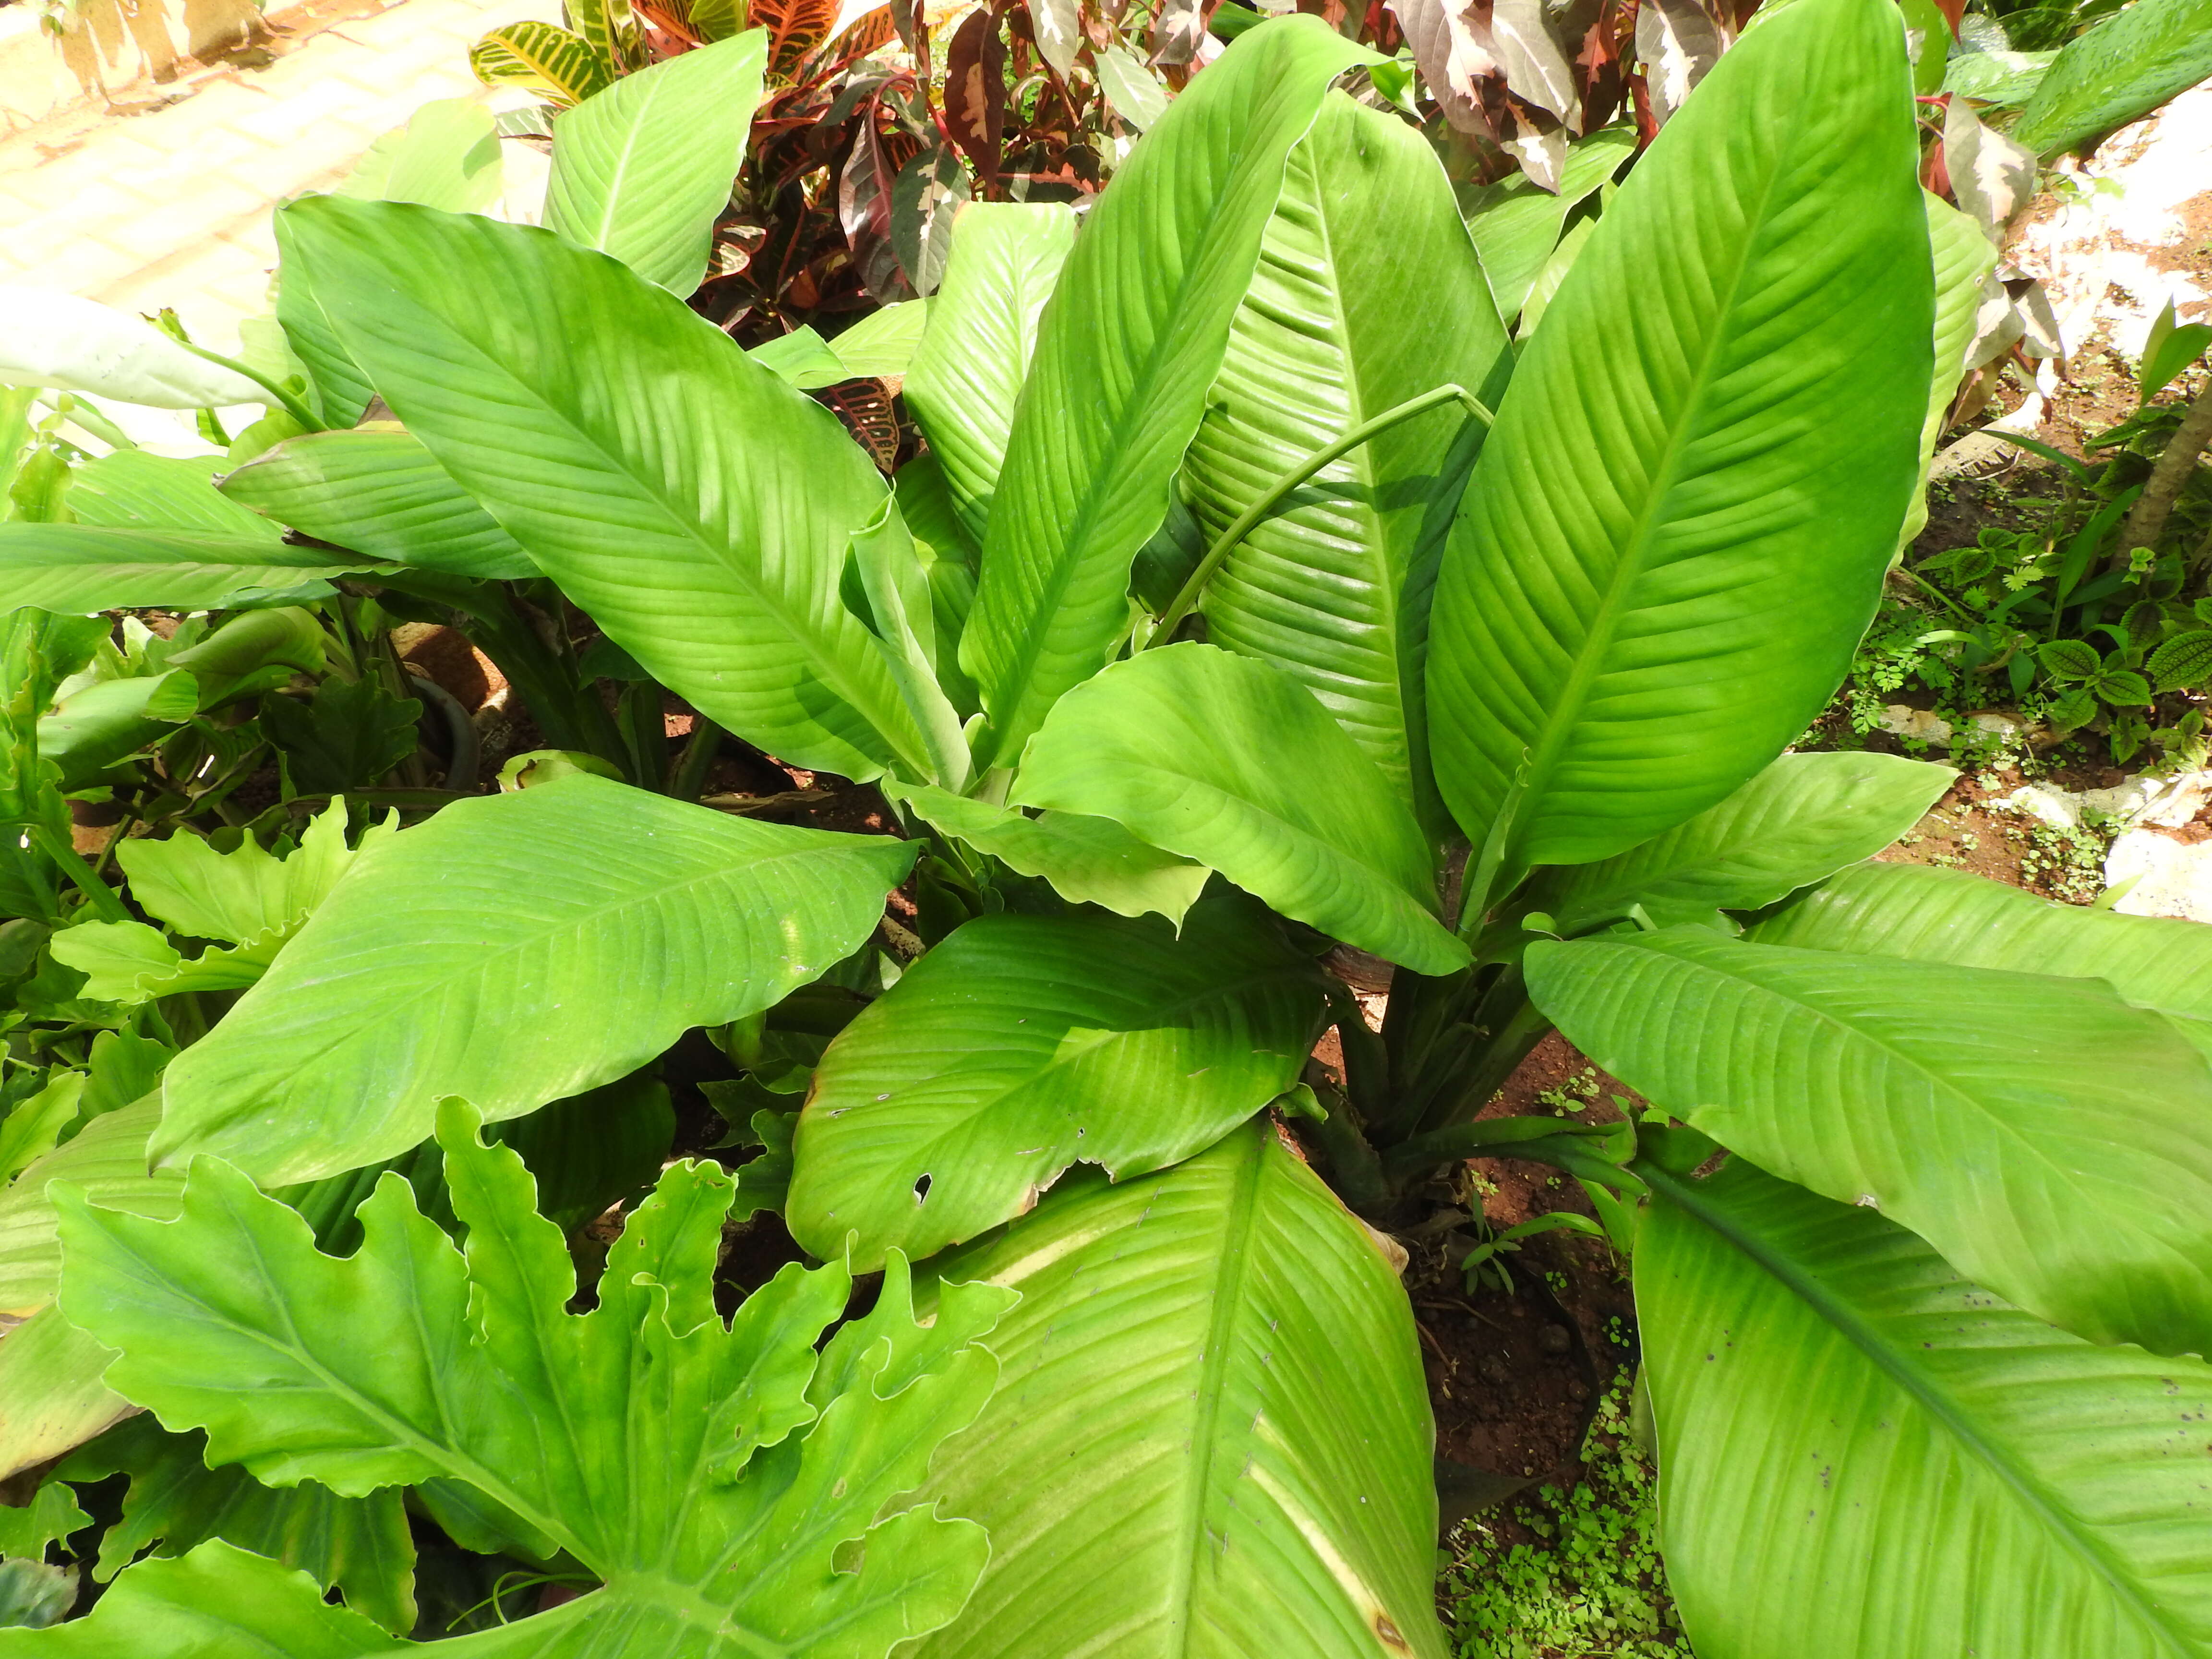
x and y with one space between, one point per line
1591 1586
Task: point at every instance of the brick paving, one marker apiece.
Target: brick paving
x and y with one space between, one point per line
170 207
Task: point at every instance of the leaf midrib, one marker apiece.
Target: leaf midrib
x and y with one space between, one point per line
2083 1542
1241 1216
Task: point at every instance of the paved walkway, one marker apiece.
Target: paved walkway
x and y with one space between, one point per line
171 207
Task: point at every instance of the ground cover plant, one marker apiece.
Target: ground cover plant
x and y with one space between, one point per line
1255 598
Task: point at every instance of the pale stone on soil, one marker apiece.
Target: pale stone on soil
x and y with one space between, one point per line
2175 877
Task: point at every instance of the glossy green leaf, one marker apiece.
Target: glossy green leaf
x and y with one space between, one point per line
248 892
1949 916
1367 293
1963 260
248 898
218 1601
132 489
1863 1456
550 966
1515 222
74 345
1213 1435
106 1158
637 455
51 1394
2052 1140
1676 533
1022 1044
883 344
52 1514
1803 817
80 568
2122 69
1125 353
1006 261
336 388
713 1474
359 1545
1087 861
446 157
643 168
382 494
35 1122
1184 747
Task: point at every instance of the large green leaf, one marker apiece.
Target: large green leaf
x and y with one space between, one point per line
217 1602
106 1158
1022 1044
1087 861
2051 1139
79 567
2126 66
132 489
1947 915
380 492
1862 1456
1232 762
639 456
1367 293
360 1544
515 950
1006 259
1803 817
715 1475
643 169
1676 533
51 1394
1515 222
1213 1438
338 390
1129 344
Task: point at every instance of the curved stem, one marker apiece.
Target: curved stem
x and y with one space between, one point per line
291 406
1271 497
2174 464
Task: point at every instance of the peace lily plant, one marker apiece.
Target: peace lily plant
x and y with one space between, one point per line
1252 578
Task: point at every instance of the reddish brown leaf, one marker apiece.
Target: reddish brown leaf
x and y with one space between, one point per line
796 28
976 92
865 407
